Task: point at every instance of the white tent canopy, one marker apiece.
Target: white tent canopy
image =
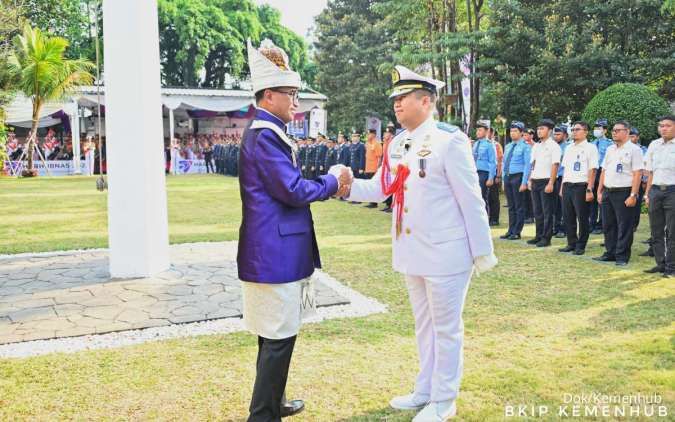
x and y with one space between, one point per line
19 112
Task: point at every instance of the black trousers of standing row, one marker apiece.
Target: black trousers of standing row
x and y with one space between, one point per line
484 190
558 215
618 221
493 202
662 222
576 211
517 202
543 206
595 216
274 359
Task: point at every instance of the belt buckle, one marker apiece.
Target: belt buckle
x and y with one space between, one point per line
663 187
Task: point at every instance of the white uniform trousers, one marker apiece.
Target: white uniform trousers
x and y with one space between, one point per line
437 304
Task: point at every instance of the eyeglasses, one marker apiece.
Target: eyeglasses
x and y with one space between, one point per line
618 130
577 129
293 93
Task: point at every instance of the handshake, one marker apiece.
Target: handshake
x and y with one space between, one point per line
345 178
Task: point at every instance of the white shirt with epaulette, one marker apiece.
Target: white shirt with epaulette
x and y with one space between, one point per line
445 225
660 160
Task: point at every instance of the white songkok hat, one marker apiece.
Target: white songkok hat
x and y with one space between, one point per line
269 67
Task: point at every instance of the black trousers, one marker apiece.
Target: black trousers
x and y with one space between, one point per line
617 223
388 201
558 215
576 211
595 216
208 159
662 222
543 205
493 202
274 359
482 181
517 203
529 212
638 206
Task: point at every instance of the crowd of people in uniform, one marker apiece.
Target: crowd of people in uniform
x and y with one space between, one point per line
220 152
575 187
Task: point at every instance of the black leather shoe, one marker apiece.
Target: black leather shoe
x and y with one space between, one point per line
514 237
669 275
648 252
529 221
370 206
579 251
604 258
505 236
543 243
621 263
533 241
494 223
566 249
291 408
388 209
354 202
654 270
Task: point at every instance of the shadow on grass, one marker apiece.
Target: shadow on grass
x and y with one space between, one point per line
635 317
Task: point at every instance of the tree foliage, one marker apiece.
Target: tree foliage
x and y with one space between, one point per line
354 58
551 58
634 103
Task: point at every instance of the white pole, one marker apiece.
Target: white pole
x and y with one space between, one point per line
137 209
75 132
171 136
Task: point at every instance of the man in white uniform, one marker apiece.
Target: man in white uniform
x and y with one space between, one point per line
440 233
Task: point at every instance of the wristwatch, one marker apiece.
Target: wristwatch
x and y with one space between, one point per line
633 195
589 190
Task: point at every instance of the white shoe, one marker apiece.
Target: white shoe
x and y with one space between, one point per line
437 411
411 401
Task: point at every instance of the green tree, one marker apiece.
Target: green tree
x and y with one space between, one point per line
38 68
550 58
354 58
637 104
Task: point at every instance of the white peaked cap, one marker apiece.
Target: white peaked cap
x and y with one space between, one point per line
405 80
266 73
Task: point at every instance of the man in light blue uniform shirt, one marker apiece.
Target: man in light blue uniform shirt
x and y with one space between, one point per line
601 143
485 156
516 174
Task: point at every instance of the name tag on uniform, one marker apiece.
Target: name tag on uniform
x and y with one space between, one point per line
577 166
619 168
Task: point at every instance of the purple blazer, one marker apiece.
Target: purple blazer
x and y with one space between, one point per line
277 243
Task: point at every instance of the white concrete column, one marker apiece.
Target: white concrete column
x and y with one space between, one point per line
75 133
171 136
137 209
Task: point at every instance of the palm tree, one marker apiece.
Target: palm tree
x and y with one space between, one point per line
40 71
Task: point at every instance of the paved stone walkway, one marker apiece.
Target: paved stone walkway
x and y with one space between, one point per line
67 294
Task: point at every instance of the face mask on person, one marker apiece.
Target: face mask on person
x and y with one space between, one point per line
597 133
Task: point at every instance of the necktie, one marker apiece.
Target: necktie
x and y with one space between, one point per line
507 162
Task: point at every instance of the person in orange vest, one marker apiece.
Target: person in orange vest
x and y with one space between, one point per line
373 158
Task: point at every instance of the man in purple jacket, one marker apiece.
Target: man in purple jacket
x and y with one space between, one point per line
278 251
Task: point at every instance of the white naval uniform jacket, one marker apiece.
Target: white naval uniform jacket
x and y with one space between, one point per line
445 225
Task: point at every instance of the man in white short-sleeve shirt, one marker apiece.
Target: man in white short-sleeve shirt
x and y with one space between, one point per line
617 194
580 162
545 160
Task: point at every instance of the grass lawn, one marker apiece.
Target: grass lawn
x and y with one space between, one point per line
540 326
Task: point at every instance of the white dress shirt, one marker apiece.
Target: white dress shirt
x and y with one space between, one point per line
579 158
660 160
620 163
544 155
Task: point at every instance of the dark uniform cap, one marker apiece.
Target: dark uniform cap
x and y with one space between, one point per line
546 122
634 131
601 123
517 125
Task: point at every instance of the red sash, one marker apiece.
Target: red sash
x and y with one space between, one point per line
396 188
